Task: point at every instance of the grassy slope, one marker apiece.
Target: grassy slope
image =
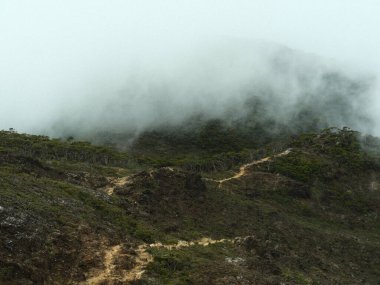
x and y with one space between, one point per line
331 236
54 215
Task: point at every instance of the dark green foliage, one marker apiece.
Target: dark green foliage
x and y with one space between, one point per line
312 215
217 138
325 155
42 147
300 166
194 265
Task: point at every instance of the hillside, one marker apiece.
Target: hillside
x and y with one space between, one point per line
216 207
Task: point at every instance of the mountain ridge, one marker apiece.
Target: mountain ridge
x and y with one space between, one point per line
67 203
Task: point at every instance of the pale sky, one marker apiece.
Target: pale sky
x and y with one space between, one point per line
53 52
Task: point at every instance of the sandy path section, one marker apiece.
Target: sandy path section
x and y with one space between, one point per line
99 276
108 275
115 183
243 168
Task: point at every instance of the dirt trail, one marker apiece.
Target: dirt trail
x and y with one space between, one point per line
114 182
100 276
109 275
243 168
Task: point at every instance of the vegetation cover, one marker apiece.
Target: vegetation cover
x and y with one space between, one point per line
187 209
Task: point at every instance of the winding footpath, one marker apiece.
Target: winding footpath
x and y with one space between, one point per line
100 276
141 257
110 275
243 168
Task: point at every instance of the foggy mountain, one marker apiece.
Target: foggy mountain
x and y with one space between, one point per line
232 81
82 68
189 142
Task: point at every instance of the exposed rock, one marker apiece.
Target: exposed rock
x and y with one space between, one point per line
234 260
86 179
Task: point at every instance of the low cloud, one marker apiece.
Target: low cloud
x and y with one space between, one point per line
89 67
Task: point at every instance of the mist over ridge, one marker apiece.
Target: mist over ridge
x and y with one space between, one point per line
189 142
124 67
220 81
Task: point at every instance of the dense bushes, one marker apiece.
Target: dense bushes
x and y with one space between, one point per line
43 147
